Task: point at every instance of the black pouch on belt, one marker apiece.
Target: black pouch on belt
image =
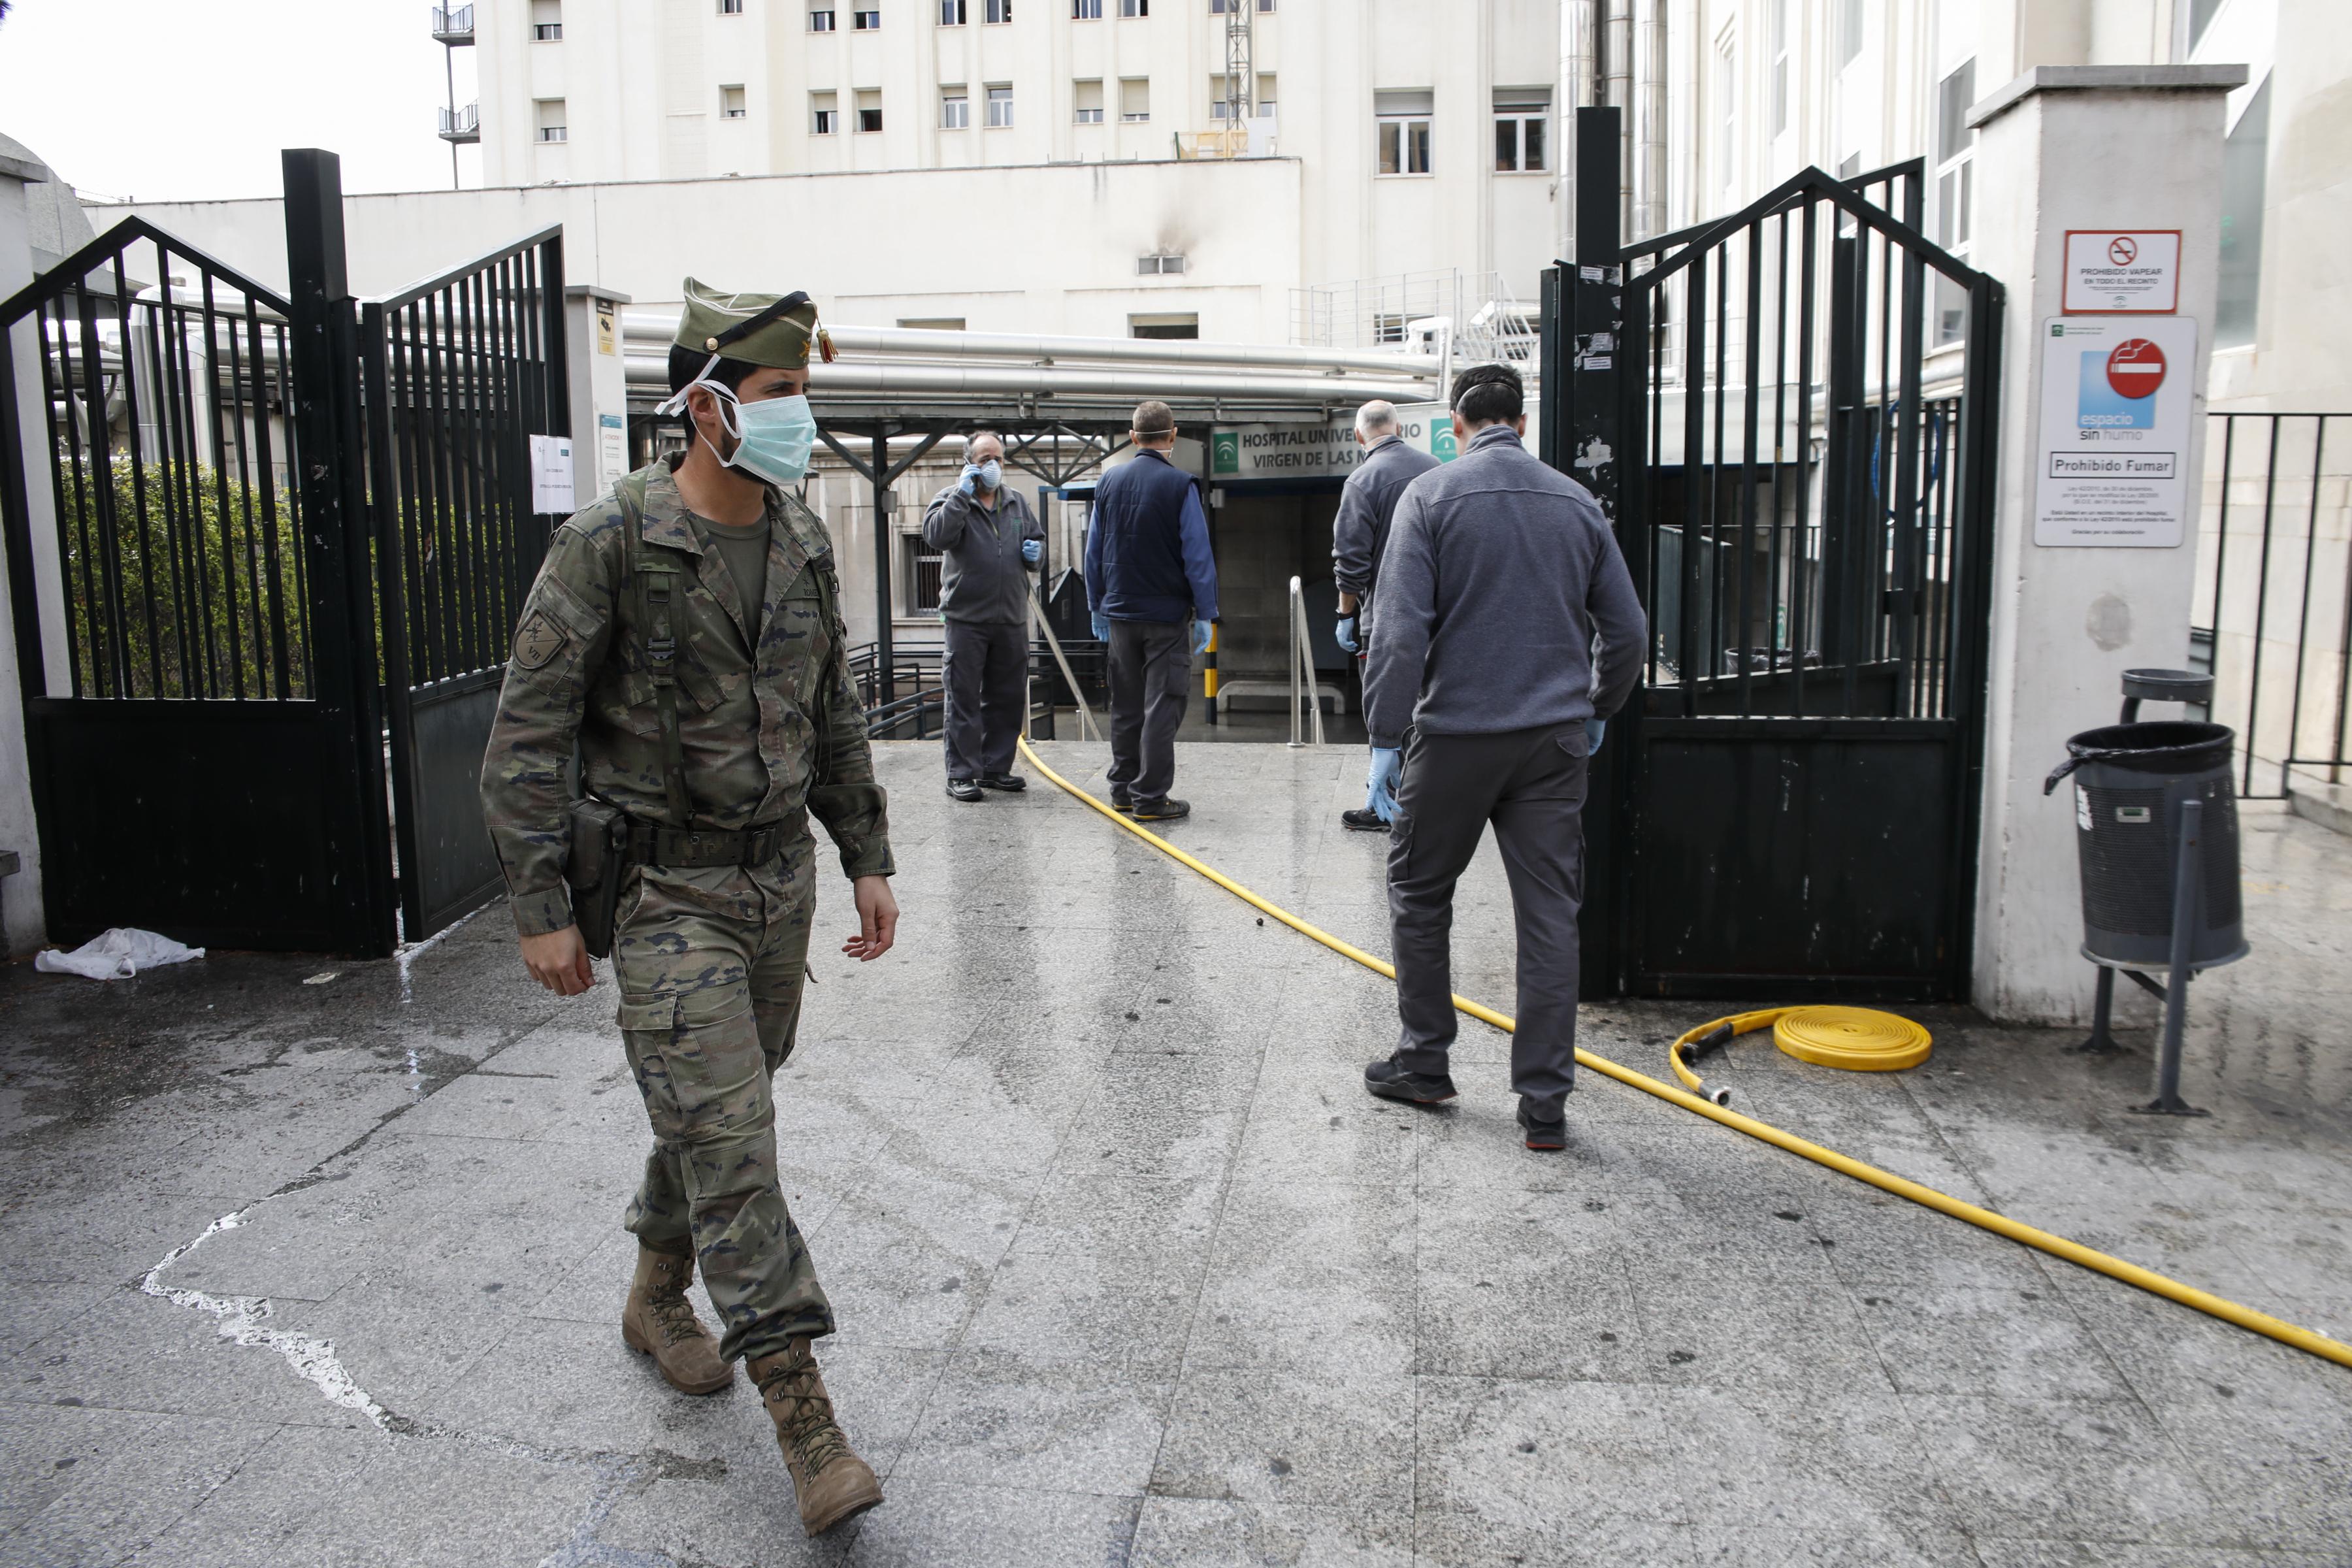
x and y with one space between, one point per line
598 865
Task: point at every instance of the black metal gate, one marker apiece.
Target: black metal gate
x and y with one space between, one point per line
459 371
198 574
1790 415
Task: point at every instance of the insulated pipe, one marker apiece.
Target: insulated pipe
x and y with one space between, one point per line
1648 123
648 371
1576 46
658 327
1617 76
2073 1252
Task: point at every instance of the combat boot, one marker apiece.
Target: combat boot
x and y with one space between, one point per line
660 1321
832 1483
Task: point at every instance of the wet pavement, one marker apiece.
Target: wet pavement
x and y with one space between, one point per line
311 1262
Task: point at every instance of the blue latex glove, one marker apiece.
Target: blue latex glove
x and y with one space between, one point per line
970 480
1202 631
1033 551
1345 634
1594 729
1380 786
1102 627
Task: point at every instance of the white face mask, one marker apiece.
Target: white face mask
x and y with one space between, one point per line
773 437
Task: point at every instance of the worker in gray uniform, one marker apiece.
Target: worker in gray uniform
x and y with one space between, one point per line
992 544
1501 587
1358 536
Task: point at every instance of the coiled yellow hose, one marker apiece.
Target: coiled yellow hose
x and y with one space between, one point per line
2229 1311
1856 1039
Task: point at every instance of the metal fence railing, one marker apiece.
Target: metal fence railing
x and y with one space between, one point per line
2273 604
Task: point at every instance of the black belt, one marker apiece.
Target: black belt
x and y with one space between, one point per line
695 849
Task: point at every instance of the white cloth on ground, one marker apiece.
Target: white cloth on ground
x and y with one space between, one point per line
119 954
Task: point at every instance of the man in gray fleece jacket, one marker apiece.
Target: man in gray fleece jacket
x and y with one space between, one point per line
1507 621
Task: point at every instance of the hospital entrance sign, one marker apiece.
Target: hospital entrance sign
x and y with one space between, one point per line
2113 456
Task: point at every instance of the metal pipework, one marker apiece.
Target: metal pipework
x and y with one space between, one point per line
1576 46
1617 83
647 371
1648 121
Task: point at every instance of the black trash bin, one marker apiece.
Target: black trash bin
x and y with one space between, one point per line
2130 782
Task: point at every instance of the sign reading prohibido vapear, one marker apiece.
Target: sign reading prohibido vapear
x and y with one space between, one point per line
2113 463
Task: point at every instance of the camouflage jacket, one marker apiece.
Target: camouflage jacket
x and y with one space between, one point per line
746 706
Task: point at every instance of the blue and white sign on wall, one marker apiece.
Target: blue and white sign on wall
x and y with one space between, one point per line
2113 465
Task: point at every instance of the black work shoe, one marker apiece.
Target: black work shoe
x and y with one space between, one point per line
1168 810
963 789
1123 804
1546 1135
1363 821
1011 783
1387 1079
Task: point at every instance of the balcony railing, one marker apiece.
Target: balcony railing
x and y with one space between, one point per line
454 26
462 124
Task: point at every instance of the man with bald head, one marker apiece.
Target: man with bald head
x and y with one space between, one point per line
1359 535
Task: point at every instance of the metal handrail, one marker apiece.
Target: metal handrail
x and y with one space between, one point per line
1302 667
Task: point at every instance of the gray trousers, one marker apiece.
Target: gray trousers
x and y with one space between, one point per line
1150 676
1530 784
983 671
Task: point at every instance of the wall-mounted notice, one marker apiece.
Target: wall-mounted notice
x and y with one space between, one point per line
2119 271
611 450
551 473
2111 462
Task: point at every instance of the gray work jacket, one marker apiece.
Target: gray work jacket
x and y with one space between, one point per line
984 580
1360 532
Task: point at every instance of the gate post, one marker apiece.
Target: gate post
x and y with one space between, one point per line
21 921
330 479
2106 148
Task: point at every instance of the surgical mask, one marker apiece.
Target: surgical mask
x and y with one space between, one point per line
992 474
773 437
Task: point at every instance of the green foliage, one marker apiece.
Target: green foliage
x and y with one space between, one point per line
205 598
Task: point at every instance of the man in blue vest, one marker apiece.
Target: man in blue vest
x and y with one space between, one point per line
1151 585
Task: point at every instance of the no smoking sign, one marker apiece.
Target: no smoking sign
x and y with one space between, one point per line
2135 368
2115 272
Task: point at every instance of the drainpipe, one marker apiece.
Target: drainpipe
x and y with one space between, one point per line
1648 123
1576 76
1617 76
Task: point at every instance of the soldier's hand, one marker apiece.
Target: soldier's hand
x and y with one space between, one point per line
878 920
559 961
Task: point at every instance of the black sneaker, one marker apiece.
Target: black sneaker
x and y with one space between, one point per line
1011 783
1544 1135
1389 1081
1363 821
1122 803
963 789
1168 810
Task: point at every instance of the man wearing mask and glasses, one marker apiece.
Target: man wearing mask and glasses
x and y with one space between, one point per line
992 542
684 640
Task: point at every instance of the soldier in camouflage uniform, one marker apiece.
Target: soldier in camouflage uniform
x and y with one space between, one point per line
684 637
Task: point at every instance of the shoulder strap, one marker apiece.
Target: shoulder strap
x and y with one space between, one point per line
652 577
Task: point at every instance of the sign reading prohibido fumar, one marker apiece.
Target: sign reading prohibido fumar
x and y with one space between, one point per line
2113 460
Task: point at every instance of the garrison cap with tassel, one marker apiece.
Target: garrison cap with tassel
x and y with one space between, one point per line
770 330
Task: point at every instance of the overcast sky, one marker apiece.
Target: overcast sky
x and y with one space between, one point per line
168 100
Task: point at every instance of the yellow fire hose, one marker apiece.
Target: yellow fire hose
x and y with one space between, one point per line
1999 1225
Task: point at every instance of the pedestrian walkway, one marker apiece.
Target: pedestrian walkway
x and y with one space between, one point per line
1128 1269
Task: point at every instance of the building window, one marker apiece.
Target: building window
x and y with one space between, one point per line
732 105
1085 10
864 21
1162 264
1000 105
550 118
1955 193
1135 7
996 12
1726 111
869 109
1265 96
1219 106
1403 124
951 12
1850 20
1221 7
932 323
1186 325
955 109
821 21
824 113
1780 66
1134 98
1522 121
731 7
2245 165
1086 97
546 21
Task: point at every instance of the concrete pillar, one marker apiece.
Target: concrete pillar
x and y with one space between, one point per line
22 926
2074 147
600 393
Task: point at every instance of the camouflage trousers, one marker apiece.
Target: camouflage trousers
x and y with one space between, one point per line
710 1006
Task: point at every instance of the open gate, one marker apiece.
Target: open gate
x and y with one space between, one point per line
233 556
1788 414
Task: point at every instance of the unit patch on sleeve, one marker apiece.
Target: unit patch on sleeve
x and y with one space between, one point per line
539 639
